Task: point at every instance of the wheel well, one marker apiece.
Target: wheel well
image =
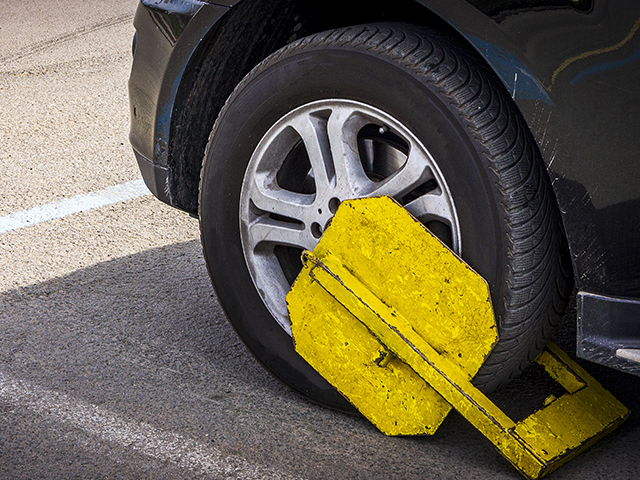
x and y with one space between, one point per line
250 32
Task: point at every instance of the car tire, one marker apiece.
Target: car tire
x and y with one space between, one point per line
410 89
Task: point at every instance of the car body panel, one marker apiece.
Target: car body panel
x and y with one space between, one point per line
170 38
572 73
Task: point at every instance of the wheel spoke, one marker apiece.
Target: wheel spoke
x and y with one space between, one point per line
342 129
268 197
432 206
278 287
313 131
266 229
411 175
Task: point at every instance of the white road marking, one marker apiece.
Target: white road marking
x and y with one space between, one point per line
146 439
69 206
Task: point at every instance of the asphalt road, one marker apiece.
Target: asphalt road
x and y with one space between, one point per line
116 360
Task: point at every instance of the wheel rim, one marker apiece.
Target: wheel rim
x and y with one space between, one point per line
309 161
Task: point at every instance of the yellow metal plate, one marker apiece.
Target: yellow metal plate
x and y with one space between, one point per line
380 294
440 296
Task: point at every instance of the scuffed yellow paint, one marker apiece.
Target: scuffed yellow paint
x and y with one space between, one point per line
338 346
582 56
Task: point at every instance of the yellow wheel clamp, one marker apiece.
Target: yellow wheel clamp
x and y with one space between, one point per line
400 325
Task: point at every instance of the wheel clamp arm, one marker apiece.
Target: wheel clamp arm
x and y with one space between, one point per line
537 445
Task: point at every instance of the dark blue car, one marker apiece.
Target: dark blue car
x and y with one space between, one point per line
510 128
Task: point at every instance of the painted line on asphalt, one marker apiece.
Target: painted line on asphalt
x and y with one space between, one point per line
143 438
77 204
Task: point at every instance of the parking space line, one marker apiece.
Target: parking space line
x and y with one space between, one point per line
69 206
146 439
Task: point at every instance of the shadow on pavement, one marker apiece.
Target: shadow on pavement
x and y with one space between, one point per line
145 337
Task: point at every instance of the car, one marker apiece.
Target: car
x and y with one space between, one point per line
509 128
